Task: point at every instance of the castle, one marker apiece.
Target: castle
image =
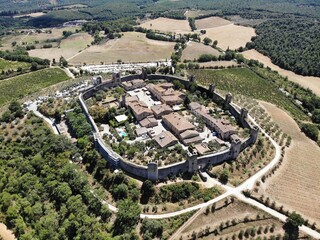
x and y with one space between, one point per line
193 162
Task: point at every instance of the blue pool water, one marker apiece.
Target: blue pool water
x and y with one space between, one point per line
123 134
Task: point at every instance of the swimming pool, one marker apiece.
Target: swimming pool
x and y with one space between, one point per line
123 134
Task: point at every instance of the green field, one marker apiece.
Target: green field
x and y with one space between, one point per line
245 82
6 65
23 85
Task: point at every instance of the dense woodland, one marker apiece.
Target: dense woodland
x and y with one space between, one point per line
43 196
293 44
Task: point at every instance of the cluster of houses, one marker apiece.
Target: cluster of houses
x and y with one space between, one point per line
176 127
165 93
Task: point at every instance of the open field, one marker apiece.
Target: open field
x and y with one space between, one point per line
6 65
232 36
295 184
18 87
245 82
197 13
68 47
235 212
218 64
32 37
194 50
132 47
308 82
35 14
211 22
167 25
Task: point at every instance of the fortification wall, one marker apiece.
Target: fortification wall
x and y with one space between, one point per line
153 171
214 159
246 143
137 170
172 170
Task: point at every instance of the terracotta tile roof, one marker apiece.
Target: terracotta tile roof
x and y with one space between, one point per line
165 139
177 122
158 109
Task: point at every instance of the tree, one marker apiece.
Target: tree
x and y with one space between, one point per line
207 41
215 43
153 227
316 116
63 62
34 66
224 176
311 130
127 216
291 226
147 191
120 191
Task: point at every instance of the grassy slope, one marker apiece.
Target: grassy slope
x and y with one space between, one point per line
244 81
6 65
23 85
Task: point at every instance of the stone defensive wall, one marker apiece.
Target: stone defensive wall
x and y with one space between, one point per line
193 162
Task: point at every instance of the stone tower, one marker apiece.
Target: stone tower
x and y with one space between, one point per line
144 73
116 78
254 132
243 117
192 162
235 146
153 171
212 88
228 100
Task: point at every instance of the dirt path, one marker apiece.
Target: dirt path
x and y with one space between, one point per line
308 82
5 233
296 183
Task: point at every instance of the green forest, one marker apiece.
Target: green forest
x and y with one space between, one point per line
43 196
293 44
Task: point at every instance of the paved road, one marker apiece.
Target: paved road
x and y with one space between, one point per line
235 191
249 184
33 107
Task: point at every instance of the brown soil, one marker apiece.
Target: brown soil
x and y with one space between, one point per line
232 36
5 233
296 183
194 50
167 25
132 47
211 22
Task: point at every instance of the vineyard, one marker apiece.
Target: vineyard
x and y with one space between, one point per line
23 85
245 82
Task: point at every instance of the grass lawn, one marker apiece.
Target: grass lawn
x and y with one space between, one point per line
6 65
23 85
245 82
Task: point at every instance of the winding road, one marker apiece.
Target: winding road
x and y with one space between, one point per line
230 191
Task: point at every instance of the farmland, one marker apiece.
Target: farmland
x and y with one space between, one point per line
167 25
132 47
67 48
194 50
218 64
7 65
245 82
211 22
230 36
31 38
197 13
312 83
17 87
296 184
229 217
